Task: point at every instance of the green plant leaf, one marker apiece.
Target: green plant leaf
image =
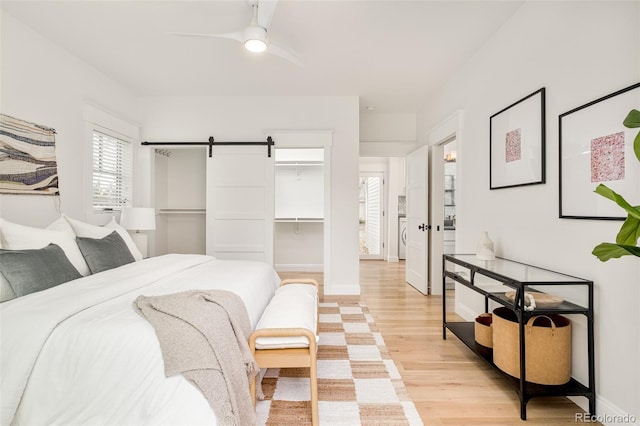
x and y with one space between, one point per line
618 199
606 251
629 232
633 119
636 146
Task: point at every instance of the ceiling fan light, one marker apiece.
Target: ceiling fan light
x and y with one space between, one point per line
255 45
255 39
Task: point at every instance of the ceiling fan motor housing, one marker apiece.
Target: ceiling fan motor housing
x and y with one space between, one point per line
255 39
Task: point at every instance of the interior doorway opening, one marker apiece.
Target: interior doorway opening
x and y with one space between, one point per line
299 209
392 204
443 209
449 234
371 213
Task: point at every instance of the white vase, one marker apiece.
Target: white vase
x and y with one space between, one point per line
485 248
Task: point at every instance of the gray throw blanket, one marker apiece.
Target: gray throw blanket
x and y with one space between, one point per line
203 334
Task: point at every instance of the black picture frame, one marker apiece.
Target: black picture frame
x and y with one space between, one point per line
594 148
517 143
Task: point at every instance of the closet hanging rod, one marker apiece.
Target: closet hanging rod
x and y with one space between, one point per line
268 143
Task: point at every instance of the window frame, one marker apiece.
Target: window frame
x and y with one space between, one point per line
115 125
126 197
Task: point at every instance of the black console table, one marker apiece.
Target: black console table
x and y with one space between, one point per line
492 279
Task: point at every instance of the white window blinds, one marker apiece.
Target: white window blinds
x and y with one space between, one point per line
112 176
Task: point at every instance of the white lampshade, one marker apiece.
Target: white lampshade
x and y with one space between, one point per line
138 218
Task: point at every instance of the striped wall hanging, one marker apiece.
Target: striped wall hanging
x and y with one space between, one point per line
27 158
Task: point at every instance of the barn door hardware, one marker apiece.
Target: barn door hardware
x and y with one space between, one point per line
268 143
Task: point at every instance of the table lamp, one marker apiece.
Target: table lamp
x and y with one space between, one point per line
139 219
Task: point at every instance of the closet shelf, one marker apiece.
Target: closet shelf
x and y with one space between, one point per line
299 219
300 164
181 211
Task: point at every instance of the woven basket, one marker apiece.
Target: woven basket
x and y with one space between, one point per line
548 347
483 331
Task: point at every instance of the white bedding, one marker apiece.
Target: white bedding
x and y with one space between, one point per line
78 353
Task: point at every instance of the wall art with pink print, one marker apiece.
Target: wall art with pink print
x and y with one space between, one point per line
596 148
607 158
513 146
517 143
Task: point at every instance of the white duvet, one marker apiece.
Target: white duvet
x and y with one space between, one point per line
79 353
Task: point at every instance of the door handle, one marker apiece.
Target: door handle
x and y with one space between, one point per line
421 227
424 227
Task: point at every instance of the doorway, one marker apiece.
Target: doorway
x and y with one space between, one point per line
450 155
371 212
448 131
299 209
449 190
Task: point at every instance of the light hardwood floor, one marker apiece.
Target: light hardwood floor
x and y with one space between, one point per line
447 382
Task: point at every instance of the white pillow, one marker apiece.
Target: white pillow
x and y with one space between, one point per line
62 225
20 237
87 230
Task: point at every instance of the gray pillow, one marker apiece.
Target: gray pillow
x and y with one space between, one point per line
28 271
105 253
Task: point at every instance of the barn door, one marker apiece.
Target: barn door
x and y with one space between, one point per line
240 203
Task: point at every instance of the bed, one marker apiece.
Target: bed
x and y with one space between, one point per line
79 353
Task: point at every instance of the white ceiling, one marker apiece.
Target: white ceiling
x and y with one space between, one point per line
391 53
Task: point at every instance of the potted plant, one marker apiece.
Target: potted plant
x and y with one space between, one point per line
627 239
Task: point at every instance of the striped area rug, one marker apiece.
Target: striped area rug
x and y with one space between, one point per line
358 383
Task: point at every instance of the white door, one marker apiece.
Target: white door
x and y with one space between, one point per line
371 215
417 264
240 203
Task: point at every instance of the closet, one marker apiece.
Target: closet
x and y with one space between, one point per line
180 200
243 204
299 209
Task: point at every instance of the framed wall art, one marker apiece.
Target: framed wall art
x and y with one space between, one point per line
517 143
596 148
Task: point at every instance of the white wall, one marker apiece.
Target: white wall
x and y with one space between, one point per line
387 134
387 127
299 246
47 85
246 118
579 51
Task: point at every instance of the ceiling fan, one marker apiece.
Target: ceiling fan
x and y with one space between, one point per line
254 37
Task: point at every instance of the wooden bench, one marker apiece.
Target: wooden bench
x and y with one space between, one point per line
286 335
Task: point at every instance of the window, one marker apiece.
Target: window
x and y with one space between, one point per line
112 177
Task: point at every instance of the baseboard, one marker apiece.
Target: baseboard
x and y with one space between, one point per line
606 413
342 290
393 259
465 312
299 267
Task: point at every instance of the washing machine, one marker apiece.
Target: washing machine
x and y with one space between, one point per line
402 238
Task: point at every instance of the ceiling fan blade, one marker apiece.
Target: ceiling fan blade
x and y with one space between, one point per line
285 53
237 36
266 9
